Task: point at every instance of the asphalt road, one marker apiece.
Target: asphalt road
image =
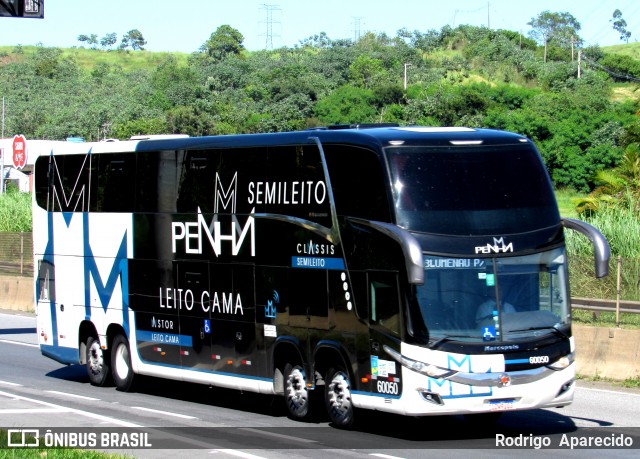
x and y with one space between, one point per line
182 419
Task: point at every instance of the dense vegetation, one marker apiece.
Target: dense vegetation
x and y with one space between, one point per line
469 76
15 211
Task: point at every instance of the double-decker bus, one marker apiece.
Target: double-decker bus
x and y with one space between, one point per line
412 270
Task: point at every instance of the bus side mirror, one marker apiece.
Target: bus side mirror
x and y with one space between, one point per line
601 249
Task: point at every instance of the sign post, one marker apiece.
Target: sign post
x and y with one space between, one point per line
19 151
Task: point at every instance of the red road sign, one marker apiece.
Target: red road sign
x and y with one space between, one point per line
19 151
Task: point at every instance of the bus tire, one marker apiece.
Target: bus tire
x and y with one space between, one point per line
338 398
296 393
97 362
123 375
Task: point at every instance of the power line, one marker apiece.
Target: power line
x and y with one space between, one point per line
611 72
269 22
356 28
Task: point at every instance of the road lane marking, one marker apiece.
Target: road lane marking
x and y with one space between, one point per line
166 413
609 391
33 410
66 394
272 434
8 341
233 452
88 414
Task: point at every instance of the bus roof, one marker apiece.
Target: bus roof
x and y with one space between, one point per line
374 137
379 136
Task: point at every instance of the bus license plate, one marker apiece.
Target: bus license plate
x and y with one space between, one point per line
502 405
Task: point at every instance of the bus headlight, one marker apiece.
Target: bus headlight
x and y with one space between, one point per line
562 362
427 369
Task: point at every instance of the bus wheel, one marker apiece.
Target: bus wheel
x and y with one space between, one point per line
123 375
296 393
338 398
97 362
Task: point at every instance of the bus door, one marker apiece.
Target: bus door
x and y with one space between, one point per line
385 325
308 305
230 302
194 333
241 306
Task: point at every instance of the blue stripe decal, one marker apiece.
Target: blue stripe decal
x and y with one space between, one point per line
164 338
514 361
317 263
375 394
67 355
201 370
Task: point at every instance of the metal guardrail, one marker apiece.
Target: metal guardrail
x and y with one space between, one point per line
16 254
590 304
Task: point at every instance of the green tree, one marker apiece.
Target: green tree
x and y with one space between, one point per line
127 129
548 27
89 39
620 26
347 105
173 85
365 71
109 40
619 187
134 39
225 41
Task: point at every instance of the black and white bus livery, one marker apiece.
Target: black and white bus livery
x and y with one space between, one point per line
412 270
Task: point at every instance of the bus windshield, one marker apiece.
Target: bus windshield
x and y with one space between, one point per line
493 299
471 190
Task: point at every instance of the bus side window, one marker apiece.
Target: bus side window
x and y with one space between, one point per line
43 176
384 302
116 180
68 183
358 183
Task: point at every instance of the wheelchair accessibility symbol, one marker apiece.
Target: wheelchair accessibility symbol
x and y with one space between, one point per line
488 333
207 326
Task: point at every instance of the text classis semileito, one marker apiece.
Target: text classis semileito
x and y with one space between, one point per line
308 192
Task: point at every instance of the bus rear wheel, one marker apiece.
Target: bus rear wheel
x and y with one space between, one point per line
97 362
123 374
296 392
338 398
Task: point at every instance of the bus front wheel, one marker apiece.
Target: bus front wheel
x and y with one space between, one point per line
296 392
97 362
338 398
123 375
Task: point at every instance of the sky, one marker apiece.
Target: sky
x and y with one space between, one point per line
184 26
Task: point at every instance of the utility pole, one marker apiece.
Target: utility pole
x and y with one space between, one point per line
488 16
2 153
405 76
579 63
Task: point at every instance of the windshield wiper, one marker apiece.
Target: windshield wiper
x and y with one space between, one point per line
445 339
553 328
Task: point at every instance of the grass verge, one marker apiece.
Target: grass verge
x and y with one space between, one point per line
629 383
49 453
605 319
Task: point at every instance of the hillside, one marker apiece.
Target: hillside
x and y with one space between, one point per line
88 59
581 116
128 60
